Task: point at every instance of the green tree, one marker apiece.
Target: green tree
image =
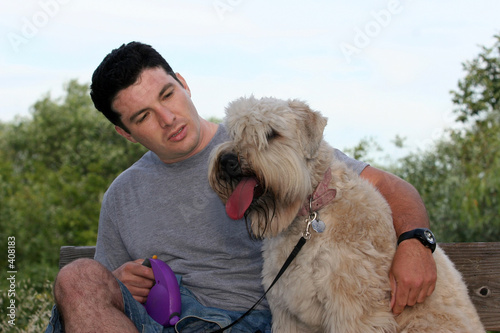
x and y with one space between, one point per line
63 159
478 93
54 169
362 150
459 179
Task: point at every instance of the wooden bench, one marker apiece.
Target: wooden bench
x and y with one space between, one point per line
479 264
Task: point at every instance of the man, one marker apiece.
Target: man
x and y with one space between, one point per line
163 206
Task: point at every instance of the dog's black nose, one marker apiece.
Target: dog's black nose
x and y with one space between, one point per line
229 162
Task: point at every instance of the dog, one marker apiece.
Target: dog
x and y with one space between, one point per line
270 171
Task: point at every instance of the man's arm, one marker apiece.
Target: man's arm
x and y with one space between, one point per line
413 272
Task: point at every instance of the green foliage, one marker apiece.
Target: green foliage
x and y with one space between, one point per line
58 165
54 169
32 308
479 92
459 179
362 150
459 184
215 120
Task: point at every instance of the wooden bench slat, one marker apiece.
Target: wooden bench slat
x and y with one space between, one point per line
69 253
479 264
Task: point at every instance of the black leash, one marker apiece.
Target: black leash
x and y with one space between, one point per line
287 263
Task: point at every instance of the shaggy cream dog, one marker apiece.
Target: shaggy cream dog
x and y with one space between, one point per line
280 174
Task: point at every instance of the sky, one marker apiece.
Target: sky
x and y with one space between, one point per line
376 69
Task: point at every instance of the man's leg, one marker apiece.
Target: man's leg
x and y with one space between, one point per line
89 299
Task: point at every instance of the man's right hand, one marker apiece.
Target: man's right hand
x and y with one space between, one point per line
137 278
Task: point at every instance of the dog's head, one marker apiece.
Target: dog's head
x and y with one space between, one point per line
265 171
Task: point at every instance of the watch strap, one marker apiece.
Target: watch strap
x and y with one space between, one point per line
420 234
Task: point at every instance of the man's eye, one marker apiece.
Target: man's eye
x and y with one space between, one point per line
143 117
167 95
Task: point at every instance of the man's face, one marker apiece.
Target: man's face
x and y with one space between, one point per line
159 114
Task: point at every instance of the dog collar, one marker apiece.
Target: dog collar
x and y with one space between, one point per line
321 196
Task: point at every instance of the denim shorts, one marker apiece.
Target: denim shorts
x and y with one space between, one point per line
195 318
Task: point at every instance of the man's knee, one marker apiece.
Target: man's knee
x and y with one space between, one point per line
85 292
84 278
74 272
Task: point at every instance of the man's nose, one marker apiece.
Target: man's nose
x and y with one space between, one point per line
165 117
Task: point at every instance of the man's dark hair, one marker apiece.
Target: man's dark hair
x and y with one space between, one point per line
120 69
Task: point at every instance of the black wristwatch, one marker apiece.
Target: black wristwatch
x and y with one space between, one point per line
425 236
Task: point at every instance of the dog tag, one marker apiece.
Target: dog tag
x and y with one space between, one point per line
318 226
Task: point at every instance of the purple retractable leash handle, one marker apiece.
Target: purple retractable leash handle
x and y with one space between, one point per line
164 300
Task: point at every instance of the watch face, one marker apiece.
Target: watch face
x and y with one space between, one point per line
429 236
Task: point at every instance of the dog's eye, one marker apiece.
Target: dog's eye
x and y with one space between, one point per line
272 135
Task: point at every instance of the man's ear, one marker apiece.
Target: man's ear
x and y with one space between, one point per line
184 83
125 134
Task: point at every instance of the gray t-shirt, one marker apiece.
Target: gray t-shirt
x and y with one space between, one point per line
170 210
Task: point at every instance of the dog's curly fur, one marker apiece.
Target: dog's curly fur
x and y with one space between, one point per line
339 281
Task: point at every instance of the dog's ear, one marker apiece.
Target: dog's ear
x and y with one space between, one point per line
311 127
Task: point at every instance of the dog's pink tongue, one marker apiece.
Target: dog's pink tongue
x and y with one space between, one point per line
242 197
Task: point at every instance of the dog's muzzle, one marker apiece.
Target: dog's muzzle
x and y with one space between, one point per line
231 165
244 187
